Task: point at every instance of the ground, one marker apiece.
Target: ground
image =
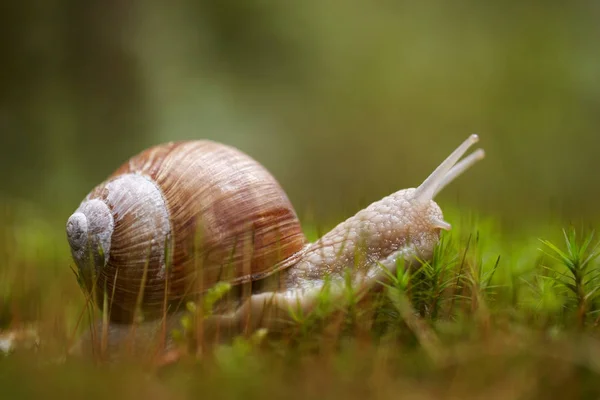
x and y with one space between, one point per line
495 315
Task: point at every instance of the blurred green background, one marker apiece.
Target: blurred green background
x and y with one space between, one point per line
344 101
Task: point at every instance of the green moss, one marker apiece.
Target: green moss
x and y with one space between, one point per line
491 313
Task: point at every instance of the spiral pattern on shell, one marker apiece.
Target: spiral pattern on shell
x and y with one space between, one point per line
177 218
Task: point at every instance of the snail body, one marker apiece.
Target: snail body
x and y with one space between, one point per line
179 217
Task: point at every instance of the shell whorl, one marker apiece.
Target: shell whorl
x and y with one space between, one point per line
89 232
128 217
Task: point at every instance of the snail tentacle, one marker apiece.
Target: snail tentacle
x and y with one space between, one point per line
428 189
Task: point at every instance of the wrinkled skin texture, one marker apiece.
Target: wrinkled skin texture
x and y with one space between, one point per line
393 227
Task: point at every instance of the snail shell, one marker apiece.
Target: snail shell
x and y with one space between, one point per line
177 218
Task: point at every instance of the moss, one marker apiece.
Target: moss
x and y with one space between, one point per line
490 315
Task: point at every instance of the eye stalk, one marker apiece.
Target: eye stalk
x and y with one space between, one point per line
448 170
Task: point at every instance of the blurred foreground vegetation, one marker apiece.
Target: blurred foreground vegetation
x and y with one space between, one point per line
491 315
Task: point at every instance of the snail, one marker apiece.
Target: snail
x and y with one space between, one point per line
179 217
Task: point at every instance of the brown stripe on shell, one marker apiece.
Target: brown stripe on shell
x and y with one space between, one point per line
229 217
